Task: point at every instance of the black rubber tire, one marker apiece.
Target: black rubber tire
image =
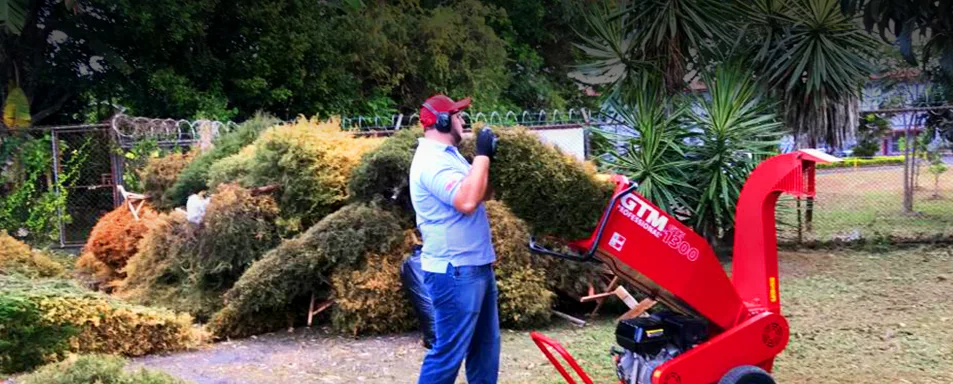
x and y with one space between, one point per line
746 374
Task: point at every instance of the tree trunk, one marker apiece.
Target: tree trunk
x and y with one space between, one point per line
916 166
936 186
916 173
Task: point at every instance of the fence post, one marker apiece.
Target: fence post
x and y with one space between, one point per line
586 150
56 186
116 160
809 214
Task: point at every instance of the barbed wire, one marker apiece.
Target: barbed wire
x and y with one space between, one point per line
131 129
527 118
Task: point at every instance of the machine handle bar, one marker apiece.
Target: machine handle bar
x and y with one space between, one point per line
544 344
589 255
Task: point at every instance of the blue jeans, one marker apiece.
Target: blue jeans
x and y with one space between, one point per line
467 325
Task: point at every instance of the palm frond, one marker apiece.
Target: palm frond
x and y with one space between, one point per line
13 15
653 153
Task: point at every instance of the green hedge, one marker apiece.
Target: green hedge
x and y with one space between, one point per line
26 341
850 162
34 313
303 265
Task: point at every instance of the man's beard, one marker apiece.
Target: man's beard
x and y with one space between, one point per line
456 137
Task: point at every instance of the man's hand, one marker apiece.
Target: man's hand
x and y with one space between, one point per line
486 143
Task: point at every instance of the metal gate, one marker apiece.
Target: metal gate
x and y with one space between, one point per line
85 154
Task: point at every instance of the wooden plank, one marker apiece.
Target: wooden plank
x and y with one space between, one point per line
612 285
643 306
314 311
626 298
598 296
265 189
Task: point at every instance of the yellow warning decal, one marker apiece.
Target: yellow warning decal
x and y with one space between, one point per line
653 332
772 289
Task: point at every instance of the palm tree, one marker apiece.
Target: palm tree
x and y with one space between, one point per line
654 155
816 59
737 127
812 56
805 54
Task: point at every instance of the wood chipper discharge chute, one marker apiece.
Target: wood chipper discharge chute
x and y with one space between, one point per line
718 330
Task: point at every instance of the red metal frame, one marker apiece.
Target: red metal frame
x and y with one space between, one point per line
669 262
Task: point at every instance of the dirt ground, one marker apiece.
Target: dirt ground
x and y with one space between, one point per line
856 317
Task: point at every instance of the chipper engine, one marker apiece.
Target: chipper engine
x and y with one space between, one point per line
714 329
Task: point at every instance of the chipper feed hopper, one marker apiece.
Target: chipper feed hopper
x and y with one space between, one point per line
715 329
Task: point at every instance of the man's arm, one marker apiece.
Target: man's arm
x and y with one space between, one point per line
474 188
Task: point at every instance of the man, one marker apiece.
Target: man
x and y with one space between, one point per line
457 256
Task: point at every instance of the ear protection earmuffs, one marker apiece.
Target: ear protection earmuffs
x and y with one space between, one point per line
443 119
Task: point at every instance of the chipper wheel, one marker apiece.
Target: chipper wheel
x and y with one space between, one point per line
746 374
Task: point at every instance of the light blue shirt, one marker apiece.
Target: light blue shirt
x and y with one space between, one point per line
449 236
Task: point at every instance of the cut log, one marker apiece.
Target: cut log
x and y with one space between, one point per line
576 321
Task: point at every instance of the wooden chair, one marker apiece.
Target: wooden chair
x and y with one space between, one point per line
133 201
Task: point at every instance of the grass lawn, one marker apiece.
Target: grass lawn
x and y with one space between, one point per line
870 201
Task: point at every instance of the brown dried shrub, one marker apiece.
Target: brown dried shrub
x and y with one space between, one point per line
369 300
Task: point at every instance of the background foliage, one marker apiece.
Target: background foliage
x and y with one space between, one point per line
26 341
194 178
216 59
115 239
310 161
302 266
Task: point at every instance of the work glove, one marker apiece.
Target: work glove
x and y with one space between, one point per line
486 143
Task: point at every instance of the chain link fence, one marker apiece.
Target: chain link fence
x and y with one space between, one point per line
867 203
884 189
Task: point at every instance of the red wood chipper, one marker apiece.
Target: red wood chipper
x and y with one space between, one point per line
715 329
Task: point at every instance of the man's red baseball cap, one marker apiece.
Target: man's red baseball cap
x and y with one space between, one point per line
441 103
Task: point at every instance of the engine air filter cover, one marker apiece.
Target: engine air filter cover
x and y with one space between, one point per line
642 335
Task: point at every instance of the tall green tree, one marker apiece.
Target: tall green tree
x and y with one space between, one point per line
44 58
674 38
909 20
217 59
